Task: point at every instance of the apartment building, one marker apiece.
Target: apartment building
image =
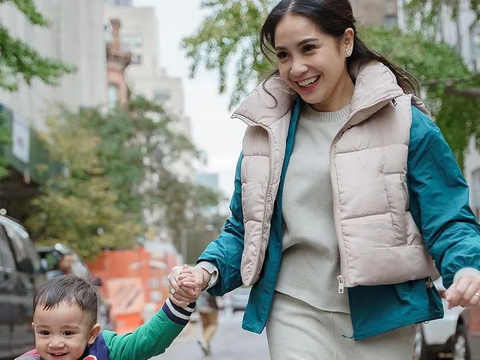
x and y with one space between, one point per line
375 12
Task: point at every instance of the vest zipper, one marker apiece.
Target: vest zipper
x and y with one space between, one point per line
343 280
341 284
251 123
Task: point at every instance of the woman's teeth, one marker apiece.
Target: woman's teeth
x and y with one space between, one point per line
305 83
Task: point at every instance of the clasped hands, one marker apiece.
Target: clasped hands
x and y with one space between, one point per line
186 283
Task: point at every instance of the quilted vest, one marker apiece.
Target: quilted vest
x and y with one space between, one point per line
379 243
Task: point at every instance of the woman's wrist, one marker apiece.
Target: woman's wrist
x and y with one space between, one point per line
209 274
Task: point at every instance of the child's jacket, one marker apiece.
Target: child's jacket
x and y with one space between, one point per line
147 341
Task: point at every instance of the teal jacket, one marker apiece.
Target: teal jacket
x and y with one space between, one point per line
439 204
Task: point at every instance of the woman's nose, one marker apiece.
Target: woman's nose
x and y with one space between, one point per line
298 68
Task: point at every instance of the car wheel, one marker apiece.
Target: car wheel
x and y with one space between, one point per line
421 350
461 349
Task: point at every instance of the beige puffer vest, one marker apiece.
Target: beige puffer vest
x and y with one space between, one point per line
378 240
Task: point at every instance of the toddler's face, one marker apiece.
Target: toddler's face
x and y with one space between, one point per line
63 332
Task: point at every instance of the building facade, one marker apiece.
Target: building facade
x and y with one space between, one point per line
74 37
117 62
118 2
139 35
375 12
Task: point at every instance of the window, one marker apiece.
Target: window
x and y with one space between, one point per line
136 59
112 96
108 32
474 41
390 20
17 244
118 2
6 256
160 96
25 254
131 41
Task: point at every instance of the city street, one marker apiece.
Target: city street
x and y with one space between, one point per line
229 343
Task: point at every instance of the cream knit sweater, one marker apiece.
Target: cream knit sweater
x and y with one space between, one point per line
310 262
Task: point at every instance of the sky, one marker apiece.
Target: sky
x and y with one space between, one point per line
213 132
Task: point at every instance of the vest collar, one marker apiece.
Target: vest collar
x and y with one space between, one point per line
375 86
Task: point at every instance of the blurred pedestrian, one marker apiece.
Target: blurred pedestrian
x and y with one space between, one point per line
208 309
64 266
344 191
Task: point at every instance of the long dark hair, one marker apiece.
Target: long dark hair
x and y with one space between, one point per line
332 17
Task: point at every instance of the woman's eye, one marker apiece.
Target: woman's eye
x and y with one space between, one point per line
308 48
282 55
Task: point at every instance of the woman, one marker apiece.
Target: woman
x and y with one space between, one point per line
343 183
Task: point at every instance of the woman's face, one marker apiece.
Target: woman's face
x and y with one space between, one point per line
313 63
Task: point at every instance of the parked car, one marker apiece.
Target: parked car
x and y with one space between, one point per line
239 298
446 337
21 274
51 256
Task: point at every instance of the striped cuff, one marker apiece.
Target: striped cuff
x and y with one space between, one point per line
177 314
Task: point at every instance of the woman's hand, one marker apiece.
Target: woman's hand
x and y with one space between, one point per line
182 289
465 290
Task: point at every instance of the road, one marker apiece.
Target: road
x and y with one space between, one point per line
229 343
233 343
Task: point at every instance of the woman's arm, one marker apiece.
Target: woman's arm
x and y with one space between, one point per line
439 200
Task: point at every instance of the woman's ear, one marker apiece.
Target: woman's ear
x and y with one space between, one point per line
348 41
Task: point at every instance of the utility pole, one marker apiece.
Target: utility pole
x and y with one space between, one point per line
183 244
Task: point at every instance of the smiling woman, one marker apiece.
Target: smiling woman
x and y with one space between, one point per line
340 200
312 63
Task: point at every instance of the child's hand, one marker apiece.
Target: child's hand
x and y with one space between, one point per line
186 281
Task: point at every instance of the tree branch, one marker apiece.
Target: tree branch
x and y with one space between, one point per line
449 82
472 93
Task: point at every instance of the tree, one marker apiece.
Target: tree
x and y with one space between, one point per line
18 61
78 206
430 12
141 150
443 76
230 33
117 166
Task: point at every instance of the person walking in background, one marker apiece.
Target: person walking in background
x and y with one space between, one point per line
344 192
208 309
64 266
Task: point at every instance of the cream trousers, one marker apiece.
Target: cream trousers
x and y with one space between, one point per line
298 331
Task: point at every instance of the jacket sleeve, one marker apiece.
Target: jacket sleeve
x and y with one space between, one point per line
439 200
152 338
226 251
